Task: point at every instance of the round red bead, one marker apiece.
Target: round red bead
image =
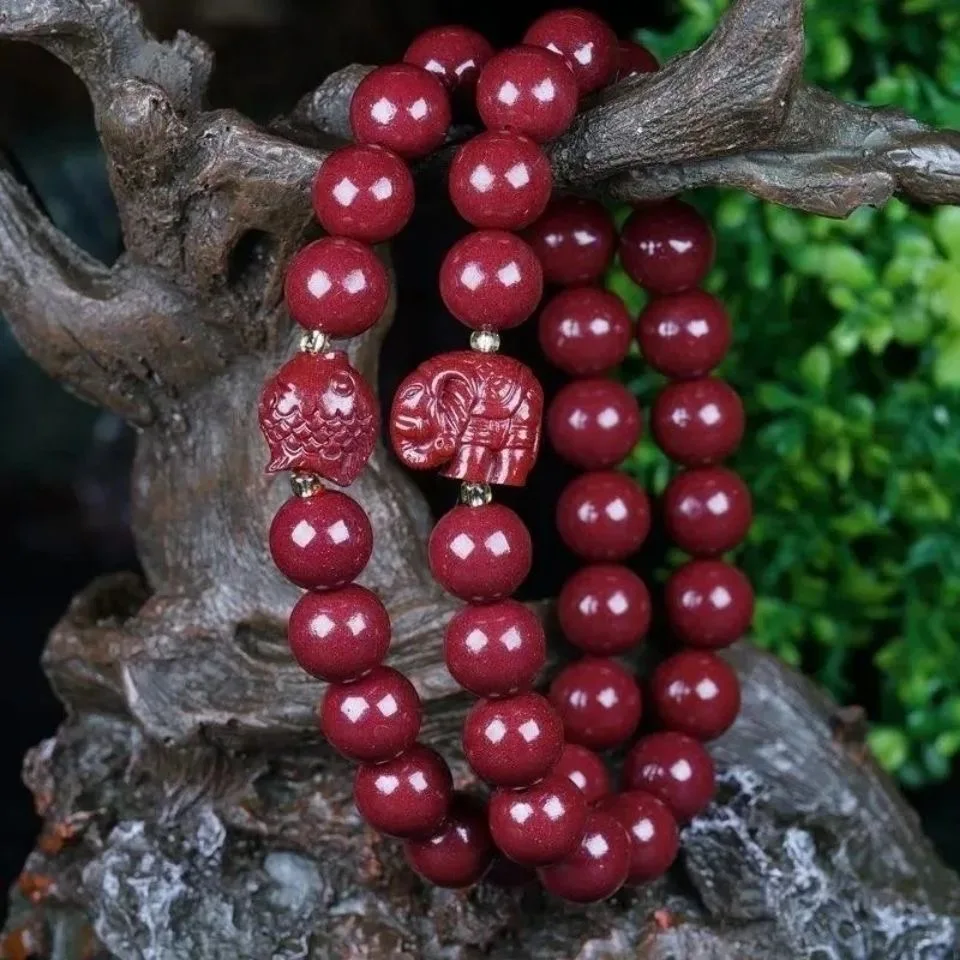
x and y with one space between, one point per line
372 719
407 796
500 180
666 247
709 603
480 554
491 279
696 693
697 422
496 649
339 635
585 331
594 423
401 107
575 241
321 541
654 838
540 824
461 850
685 335
707 510
598 701
603 516
673 767
604 609
336 286
635 58
585 770
364 192
512 742
584 40
529 89
454 54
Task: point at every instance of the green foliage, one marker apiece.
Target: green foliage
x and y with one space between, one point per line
847 355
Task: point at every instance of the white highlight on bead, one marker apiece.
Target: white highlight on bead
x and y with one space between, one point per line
382 189
304 533
681 771
643 830
482 178
509 274
521 812
476 640
355 281
707 689
471 276
596 845
383 111
418 109
618 604
545 91
710 414
607 697
388 705
462 545
584 238
529 730
720 597
495 730
554 808
698 328
718 504
578 779
353 708
497 544
508 93
345 192
418 781
518 175
322 625
338 532
608 418
319 284
511 639
357 624
387 784
616 509
680 246
599 325
584 55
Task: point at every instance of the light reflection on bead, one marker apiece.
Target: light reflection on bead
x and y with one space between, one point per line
485 341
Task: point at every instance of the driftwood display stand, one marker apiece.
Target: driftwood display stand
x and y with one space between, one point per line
191 811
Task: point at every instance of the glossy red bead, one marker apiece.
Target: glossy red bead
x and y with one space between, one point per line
707 510
585 770
598 701
584 40
540 824
373 719
454 54
339 635
697 422
603 516
461 850
402 107
635 58
696 693
337 286
585 331
495 650
407 796
598 867
654 837
480 554
667 247
322 541
512 742
594 423
491 279
575 240
364 192
684 335
673 767
604 609
708 603
528 89
500 180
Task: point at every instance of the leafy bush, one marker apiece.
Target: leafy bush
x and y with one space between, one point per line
847 355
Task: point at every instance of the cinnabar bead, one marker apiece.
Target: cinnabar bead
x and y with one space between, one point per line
707 510
654 837
603 516
496 649
339 635
454 54
604 609
594 423
512 742
575 240
585 770
697 422
401 107
584 40
673 767
372 719
491 279
461 850
635 58
684 335
598 867
696 693
500 180
529 89
667 247
337 286
709 603
321 542
540 824
585 331
480 554
598 701
407 796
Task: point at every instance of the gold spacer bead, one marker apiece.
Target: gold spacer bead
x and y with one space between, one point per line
313 341
306 484
485 341
475 494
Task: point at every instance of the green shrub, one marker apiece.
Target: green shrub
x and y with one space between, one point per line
847 355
